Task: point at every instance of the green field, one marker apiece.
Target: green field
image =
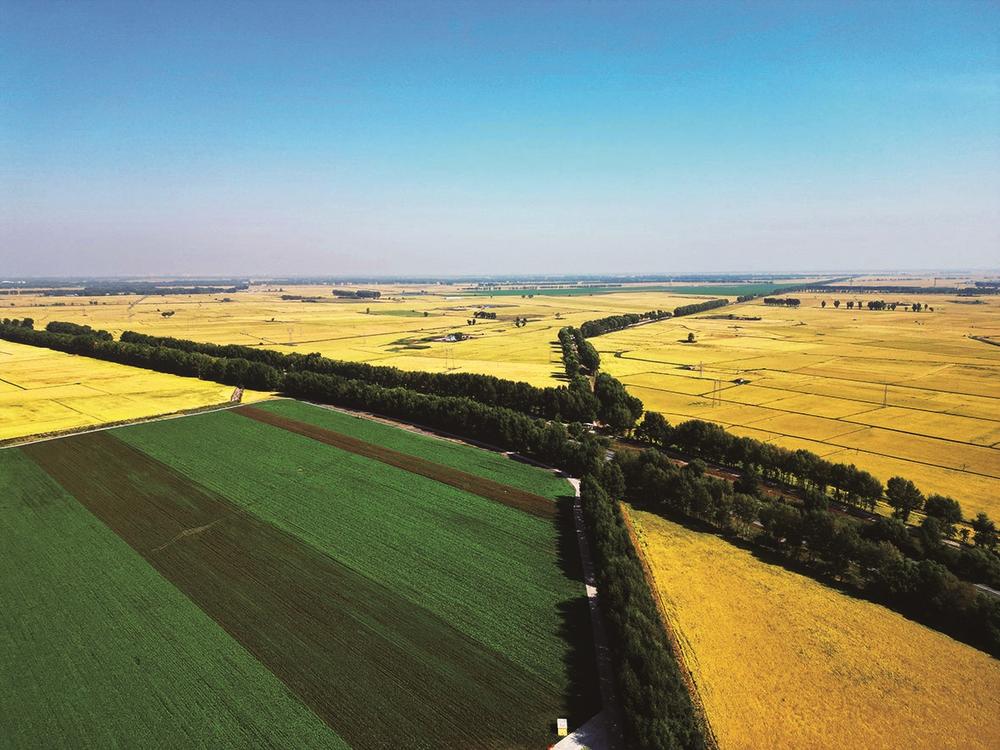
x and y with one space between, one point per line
98 648
261 587
482 463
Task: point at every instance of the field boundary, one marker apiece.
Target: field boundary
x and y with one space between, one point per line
711 741
528 502
41 437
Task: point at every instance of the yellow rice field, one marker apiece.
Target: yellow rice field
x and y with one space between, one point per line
400 329
893 392
781 660
43 391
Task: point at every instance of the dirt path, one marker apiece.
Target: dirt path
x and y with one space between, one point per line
591 736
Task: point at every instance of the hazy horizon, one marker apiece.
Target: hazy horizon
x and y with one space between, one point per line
454 139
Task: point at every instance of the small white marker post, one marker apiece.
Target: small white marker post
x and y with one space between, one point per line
562 727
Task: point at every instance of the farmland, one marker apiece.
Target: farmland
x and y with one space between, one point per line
357 601
43 391
893 392
402 329
780 656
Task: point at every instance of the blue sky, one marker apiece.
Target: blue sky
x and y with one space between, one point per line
280 138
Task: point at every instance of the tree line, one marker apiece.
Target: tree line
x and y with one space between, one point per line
819 479
871 559
698 307
783 301
617 409
571 448
601 326
579 355
140 288
567 404
656 707
356 293
75 329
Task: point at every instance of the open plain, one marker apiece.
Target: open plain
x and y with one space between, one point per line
894 392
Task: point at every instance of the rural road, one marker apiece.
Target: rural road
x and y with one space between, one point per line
591 736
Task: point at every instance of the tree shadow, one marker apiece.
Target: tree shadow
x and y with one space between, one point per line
582 696
556 348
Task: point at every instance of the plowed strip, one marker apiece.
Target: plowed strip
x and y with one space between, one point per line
526 501
376 668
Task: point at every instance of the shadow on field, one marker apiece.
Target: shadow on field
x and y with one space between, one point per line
556 349
582 697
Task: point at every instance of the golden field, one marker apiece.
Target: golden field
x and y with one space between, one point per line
43 391
893 392
389 331
818 377
781 660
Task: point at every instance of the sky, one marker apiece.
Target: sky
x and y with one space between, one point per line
282 138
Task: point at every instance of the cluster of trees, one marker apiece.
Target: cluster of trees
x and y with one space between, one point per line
870 558
356 293
579 355
783 301
745 297
616 408
75 329
28 323
656 707
484 315
617 322
698 307
818 479
878 304
800 467
520 322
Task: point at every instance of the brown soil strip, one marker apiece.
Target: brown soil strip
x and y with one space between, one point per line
526 501
375 667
